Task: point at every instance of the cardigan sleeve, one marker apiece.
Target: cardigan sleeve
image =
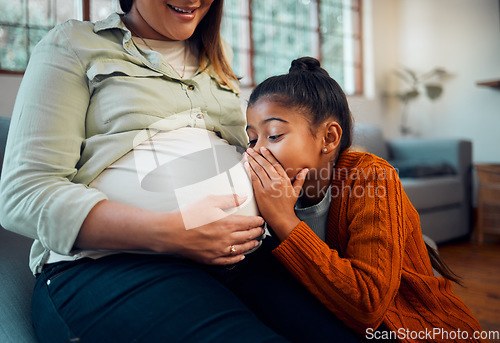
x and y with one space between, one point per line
359 284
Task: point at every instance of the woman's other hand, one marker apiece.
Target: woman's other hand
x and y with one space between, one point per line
275 194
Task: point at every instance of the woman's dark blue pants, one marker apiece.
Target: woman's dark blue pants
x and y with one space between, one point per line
158 298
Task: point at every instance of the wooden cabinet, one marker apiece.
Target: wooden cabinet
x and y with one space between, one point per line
488 200
492 84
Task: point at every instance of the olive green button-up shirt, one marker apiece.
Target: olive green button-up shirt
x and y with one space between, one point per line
86 94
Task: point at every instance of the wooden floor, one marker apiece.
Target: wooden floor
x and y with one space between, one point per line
479 267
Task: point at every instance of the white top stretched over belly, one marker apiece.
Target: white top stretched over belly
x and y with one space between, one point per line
171 171
174 169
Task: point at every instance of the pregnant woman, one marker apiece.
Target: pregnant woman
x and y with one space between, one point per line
121 164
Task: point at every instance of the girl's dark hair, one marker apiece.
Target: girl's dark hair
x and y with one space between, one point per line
211 51
126 5
308 88
207 35
441 267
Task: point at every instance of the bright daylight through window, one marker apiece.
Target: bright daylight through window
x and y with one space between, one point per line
266 35
24 22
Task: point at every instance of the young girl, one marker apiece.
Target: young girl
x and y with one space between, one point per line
347 229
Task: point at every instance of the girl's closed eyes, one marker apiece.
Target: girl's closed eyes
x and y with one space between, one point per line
272 130
270 139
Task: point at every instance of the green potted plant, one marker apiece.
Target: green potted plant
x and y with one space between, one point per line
428 84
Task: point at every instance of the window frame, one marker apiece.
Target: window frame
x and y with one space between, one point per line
358 62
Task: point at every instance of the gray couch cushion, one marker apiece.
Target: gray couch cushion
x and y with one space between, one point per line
371 139
16 287
457 153
433 192
16 279
417 168
4 130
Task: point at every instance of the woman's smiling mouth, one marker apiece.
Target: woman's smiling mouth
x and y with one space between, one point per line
181 10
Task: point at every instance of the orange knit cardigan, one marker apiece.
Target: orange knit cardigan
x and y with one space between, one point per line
374 267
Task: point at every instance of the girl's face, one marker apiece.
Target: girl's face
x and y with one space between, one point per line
169 19
286 133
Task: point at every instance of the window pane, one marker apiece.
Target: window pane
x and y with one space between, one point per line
48 13
35 35
101 9
13 52
66 9
23 23
282 30
12 12
341 43
40 13
235 30
332 30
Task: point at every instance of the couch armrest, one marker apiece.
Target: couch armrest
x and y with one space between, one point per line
455 152
4 130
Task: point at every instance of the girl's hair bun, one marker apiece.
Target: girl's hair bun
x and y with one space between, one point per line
306 64
309 89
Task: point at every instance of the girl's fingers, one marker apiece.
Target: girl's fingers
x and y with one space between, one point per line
263 164
259 170
256 181
274 162
299 180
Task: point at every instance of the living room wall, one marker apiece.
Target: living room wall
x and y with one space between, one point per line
462 36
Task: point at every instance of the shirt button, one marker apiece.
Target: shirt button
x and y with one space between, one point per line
200 116
191 87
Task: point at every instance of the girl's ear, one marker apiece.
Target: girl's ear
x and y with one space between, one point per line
333 135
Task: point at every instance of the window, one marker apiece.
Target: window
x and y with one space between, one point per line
266 35
24 22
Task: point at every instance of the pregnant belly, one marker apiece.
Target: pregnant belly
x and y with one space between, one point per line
177 170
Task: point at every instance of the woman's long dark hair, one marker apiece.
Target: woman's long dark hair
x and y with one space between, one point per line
308 88
207 35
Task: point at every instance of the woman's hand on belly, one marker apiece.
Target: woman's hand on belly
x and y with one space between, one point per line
115 226
210 235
